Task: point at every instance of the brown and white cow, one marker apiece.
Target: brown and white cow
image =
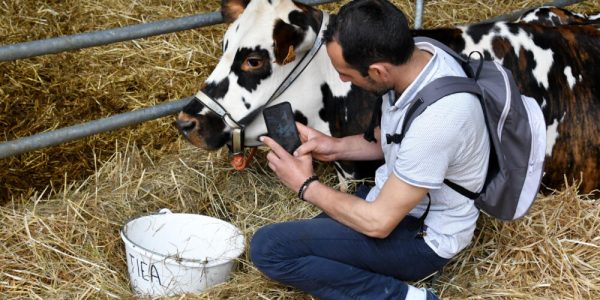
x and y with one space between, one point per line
558 66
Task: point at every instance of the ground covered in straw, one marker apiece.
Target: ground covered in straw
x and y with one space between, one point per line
62 207
65 243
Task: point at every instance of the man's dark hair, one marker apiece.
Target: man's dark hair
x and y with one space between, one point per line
371 31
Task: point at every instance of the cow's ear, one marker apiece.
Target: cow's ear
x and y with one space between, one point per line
232 9
286 39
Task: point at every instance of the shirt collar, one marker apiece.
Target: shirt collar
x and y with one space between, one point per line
407 96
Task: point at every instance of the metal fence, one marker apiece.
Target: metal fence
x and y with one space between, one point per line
104 37
97 38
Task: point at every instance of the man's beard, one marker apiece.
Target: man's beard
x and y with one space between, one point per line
377 92
380 93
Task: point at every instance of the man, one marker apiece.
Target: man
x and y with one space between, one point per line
363 249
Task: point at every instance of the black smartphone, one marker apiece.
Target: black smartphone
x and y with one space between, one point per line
281 126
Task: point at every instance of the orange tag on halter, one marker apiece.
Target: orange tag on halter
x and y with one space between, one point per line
240 162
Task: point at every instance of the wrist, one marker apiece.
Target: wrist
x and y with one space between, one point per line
335 146
305 185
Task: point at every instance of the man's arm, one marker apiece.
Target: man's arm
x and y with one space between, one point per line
327 148
375 219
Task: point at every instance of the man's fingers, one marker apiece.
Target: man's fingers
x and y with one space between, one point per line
276 148
306 148
303 131
272 157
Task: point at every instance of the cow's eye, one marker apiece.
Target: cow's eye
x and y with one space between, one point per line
253 63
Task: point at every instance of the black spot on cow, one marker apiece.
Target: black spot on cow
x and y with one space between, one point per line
246 104
217 90
476 32
487 55
313 16
513 29
226 45
251 79
212 123
451 37
347 115
546 40
193 107
300 117
350 115
285 36
303 20
543 14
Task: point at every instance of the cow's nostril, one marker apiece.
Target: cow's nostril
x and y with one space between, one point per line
186 125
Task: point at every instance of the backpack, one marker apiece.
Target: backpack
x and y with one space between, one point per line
516 128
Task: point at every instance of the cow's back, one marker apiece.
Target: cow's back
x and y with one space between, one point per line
559 67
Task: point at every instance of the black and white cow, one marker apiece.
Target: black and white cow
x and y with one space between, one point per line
556 16
267 38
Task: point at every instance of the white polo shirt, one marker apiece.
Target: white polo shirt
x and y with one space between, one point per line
447 141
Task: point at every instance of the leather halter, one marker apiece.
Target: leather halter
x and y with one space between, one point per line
236 144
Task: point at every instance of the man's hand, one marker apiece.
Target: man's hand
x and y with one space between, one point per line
291 170
317 144
327 148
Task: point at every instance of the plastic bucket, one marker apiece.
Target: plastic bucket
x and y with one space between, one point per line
170 254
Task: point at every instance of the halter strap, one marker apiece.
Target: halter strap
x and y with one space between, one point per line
237 133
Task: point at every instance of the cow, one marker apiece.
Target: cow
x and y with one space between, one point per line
556 16
266 39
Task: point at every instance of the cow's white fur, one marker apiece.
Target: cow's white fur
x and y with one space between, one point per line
552 134
570 77
249 31
522 40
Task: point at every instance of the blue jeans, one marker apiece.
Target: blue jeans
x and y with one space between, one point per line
332 261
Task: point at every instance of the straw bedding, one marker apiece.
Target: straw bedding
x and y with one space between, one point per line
63 206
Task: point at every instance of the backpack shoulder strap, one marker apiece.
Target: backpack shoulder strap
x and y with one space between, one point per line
431 93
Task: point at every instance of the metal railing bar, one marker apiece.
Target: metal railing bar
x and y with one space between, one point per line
104 37
67 134
419 14
109 36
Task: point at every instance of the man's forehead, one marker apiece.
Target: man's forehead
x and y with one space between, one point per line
335 54
334 51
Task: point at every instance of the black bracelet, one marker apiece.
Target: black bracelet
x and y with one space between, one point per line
304 186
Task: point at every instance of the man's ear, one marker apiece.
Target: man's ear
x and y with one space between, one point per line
378 72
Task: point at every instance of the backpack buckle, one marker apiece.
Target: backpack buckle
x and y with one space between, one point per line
394 138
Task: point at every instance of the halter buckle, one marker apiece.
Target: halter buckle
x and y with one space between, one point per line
239 162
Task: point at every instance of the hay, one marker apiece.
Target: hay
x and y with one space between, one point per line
54 91
65 243
65 205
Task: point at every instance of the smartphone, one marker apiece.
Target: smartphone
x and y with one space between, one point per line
281 126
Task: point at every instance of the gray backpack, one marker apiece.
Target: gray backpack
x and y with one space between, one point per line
515 125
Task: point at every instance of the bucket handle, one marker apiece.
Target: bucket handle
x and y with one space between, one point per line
165 211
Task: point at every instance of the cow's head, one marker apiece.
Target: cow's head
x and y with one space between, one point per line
264 42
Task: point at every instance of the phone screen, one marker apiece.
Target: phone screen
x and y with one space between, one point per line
281 126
